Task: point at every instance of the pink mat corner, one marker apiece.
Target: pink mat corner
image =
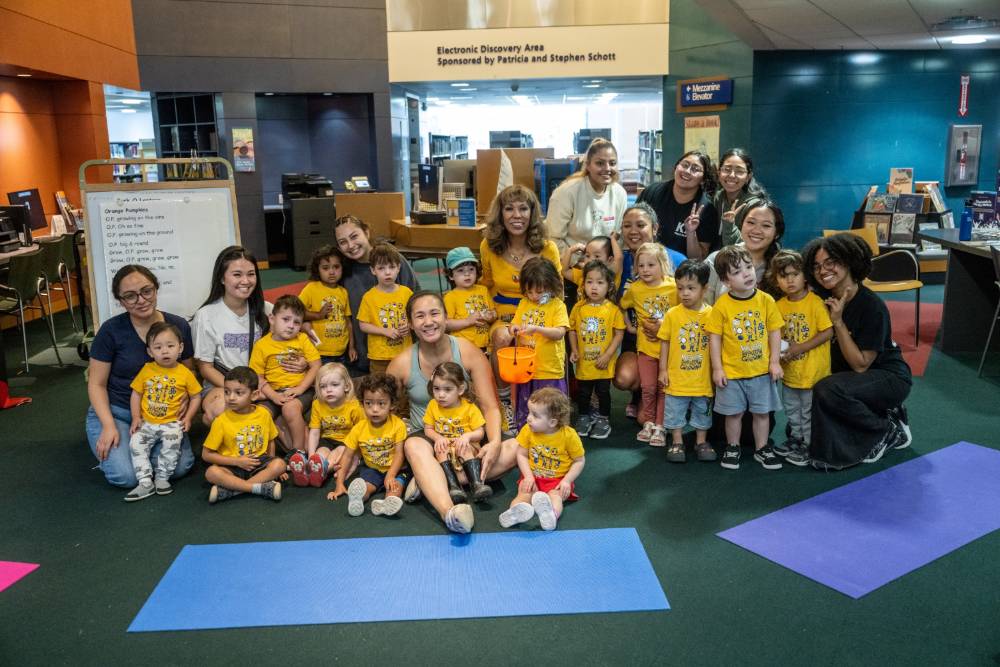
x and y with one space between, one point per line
11 572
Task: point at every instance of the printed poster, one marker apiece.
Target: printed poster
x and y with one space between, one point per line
702 133
243 157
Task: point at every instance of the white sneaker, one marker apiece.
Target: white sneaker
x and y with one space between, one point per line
356 497
460 519
646 433
542 504
519 513
388 506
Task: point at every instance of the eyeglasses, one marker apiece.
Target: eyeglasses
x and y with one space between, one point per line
690 167
131 298
733 171
826 265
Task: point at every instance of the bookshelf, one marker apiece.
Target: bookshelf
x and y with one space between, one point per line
446 147
511 139
185 125
650 156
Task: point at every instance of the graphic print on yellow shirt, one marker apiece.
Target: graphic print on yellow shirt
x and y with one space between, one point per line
551 354
744 325
595 327
335 423
377 444
268 355
235 435
649 302
550 455
387 310
332 330
453 422
462 303
688 364
805 319
161 391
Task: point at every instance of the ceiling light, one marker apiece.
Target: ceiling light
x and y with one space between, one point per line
596 80
24 76
269 94
968 39
459 85
128 110
577 97
131 101
523 100
468 90
327 94
591 85
460 97
864 58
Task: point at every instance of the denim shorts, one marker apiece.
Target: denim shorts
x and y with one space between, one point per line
675 411
757 395
377 479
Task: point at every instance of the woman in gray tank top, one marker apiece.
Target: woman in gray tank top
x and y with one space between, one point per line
426 313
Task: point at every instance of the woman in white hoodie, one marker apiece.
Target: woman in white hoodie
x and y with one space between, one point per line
590 202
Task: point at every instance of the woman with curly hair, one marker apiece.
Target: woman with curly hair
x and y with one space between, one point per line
514 234
689 222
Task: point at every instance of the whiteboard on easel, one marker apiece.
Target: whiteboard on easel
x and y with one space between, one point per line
174 232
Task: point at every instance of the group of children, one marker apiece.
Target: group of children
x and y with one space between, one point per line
690 355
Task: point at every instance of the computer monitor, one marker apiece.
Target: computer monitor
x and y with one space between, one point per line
429 181
31 199
15 219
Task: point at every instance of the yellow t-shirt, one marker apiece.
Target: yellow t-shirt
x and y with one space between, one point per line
594 327
550 454
377 445
161 390
453 422
689 364
649 303
805 319
503 279
268 353
235 435
333 329
385 310
335 423
744 325
550 362
462 303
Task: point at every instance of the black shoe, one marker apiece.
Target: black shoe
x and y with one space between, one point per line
893 433
905 436
473 471
455 489
767 458
731 457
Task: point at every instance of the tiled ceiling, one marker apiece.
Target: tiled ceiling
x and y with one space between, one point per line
849 24
499 92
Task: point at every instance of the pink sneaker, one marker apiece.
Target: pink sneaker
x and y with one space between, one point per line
317 470
297 466
647 432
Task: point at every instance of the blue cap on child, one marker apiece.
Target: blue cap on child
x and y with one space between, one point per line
459 256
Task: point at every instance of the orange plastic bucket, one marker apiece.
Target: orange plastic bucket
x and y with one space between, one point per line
516 364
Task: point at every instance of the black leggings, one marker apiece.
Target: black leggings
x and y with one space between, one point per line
585 388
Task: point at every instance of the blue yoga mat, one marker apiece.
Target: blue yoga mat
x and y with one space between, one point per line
403 578
867 533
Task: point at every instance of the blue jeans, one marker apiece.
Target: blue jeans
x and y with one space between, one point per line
117 468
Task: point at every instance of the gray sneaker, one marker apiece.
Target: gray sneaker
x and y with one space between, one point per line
601 429
582 425
798 456
220 493
785 448
144 490
271 490
162 487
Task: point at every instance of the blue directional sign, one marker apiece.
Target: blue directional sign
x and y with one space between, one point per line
705 93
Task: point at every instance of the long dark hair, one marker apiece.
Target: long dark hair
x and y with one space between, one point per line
751 187
710 177
216 291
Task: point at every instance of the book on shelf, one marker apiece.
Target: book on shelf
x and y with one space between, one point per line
880 224
928 245
881 203
934 192
903 225
910 203
900 180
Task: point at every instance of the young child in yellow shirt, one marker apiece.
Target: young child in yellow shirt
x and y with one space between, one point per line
157 394
382 314
379 438
240 445
596 331
603 249
334 413
470 314
651 296
745 343
805 354
685 370
328 311
284 393
540 321
455 425
550 459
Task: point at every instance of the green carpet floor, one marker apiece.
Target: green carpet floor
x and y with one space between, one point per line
100 557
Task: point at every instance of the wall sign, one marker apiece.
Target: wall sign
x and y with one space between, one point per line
702 133
243 155
713 92
963 97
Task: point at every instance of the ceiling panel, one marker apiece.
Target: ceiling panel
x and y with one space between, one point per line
867 17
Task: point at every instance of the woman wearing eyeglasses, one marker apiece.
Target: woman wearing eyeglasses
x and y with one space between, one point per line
116 356
683 205
738 191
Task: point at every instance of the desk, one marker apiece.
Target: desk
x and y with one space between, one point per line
969 293
5 256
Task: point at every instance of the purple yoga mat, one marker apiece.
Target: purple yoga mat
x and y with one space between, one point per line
865 534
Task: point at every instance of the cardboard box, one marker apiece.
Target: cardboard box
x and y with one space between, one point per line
374 208
436 237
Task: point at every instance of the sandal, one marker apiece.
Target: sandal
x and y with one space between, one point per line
675 454
704 452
